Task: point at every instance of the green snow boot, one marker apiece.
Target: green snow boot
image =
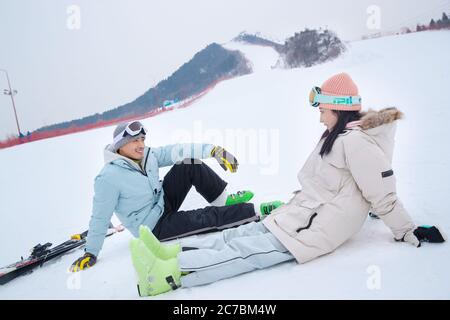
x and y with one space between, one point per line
267 207
162 251
239 197
155 276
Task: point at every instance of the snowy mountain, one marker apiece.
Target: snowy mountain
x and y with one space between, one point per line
208 66
265 120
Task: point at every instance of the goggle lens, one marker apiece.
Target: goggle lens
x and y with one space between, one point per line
135 126
312 96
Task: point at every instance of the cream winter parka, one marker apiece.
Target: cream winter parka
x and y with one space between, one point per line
339 189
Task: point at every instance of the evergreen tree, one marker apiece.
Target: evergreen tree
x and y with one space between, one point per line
432 24
445 21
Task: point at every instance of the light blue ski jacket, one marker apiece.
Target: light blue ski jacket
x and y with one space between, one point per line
135 194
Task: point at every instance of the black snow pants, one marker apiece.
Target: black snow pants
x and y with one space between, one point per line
176 185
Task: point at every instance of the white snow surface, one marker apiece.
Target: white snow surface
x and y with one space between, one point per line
264 119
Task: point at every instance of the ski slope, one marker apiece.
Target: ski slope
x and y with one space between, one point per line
264 119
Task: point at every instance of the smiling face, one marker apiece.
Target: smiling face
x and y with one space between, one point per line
133 149
328 117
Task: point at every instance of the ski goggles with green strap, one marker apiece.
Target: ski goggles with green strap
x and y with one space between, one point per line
316 98
132 129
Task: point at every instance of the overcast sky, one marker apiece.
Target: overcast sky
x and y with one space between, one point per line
67 62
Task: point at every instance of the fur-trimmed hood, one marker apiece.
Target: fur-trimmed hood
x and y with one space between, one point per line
380 126
372 118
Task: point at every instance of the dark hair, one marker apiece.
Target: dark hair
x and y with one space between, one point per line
344 117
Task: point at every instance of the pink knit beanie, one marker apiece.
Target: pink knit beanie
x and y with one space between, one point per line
340 85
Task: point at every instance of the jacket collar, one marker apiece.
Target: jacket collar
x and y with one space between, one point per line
372 119
375 122
113 157
380 126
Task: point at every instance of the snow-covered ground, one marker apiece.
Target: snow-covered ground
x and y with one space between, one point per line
264 119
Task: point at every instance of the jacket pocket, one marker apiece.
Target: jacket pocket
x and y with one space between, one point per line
310 220
308 204
292 218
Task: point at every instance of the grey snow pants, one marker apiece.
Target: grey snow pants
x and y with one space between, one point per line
229 253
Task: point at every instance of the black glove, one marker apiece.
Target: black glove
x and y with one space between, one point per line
225 159
429 234
423 234
86 261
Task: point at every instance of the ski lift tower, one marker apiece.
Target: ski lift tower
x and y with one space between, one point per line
12 93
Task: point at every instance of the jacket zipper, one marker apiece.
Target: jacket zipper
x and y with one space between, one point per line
141 171
145 163
309 223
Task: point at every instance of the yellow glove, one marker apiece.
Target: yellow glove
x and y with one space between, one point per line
226 160
86 261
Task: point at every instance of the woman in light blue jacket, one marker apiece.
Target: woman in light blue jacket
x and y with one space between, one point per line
129 185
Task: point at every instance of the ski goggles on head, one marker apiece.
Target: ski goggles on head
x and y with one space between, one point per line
133 129
316 98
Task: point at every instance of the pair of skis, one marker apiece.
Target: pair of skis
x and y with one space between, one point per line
43 253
